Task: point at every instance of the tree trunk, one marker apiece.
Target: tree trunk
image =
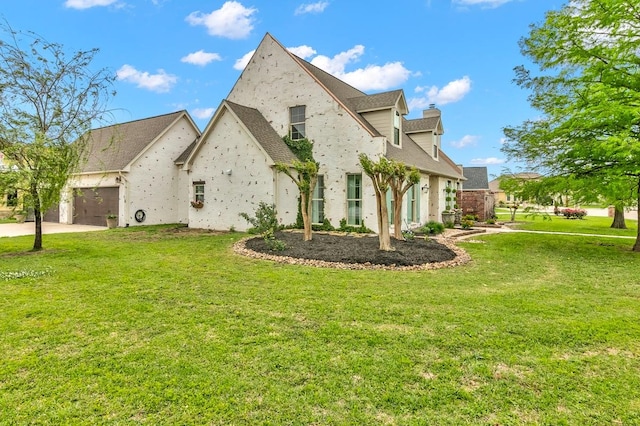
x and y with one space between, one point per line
618 217
385 237
37 242
397 214
636 246
305 206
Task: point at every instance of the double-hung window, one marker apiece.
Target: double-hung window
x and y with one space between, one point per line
354 200
413 203
297 122
396 128
317 202
198 191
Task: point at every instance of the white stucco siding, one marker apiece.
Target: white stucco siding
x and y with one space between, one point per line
275 82
153 181
237 177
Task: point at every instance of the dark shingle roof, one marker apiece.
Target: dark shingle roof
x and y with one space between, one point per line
185 154
263 132
411 154
374 102
477 178
420 125
114 147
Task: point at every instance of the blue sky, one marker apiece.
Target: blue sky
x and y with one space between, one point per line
187 54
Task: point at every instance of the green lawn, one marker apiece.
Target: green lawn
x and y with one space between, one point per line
147 326
588 225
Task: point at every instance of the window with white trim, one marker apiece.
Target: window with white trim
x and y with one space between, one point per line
297 122
396 128
354 199
413 208
198 191
317 202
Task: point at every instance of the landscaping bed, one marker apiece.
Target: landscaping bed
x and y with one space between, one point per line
356 252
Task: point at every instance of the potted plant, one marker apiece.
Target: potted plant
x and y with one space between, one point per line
197 204
112 220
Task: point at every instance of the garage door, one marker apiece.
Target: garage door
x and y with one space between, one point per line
91 205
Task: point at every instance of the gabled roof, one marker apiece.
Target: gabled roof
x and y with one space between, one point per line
419 125
477 178
379 101
113 148
411 154
263 133
257 127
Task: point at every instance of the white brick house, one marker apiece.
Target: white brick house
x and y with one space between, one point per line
131 172
231 166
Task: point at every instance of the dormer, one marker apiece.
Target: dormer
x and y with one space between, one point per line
427 131
384 111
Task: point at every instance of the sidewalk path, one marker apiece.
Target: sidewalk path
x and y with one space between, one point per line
28 228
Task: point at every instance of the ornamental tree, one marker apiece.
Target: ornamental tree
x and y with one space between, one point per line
587 89
48 100
304 173
381 174
403 178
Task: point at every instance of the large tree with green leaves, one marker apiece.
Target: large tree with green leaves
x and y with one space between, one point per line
587 88
48 101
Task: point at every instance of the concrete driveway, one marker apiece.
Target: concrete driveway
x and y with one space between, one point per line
28 228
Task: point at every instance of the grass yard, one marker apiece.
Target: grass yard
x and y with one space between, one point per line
589 225
151 326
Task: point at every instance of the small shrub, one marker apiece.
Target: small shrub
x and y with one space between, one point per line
265 220
449 225
362 229
472 217
467 223
573 213
491 221
326 226
408 235
273 243
432 228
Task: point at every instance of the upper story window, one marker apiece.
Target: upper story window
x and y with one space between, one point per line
396 128
296 122
435 146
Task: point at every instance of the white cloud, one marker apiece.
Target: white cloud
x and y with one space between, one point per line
201 58
489 161
467 140
371 77
160 82
203 113
483 3
242 62
376 77
303 51
86 4
337 64
232 20
317 7
452 92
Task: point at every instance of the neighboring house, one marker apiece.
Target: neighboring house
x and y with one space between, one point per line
131 171
231 168
476 197
502 197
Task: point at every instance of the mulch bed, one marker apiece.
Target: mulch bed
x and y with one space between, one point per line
356 252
